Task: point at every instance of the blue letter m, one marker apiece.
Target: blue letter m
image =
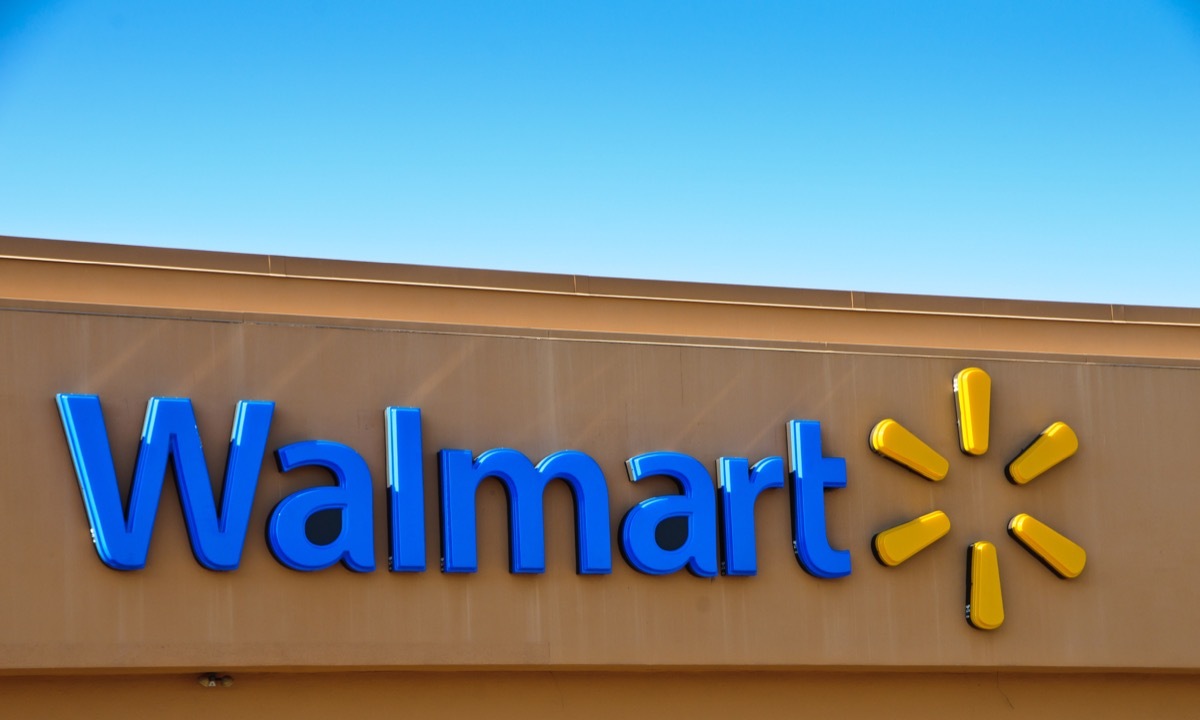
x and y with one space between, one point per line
525 485
170 432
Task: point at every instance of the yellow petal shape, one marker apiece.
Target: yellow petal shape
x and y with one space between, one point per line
1059 553
985 605
973 400
893 441
1056 443
895 545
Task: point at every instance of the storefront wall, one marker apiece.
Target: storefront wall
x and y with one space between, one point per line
613 369
604 695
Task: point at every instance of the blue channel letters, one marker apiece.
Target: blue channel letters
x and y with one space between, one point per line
812 474
720 522
286 530
123 540
697 503
525 485
740 485
406 490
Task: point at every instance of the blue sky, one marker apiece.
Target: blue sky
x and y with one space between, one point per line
1046 150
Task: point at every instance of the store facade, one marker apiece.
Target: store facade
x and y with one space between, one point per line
375 539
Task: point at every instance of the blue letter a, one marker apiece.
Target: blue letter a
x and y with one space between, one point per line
697 505
287 535
169 432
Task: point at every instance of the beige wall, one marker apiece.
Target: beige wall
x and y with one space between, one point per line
584 695
652 367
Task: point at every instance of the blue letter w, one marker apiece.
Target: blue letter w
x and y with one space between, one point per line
170 432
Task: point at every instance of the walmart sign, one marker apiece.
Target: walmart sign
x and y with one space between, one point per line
218 534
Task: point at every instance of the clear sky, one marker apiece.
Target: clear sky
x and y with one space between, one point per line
1024 148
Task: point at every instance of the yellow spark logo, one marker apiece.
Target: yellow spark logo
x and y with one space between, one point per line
972 395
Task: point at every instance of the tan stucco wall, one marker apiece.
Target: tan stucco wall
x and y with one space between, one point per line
538 366
585 695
